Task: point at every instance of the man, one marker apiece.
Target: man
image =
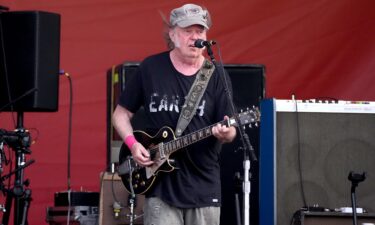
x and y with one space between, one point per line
191 193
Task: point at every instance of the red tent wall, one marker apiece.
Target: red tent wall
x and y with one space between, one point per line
310 48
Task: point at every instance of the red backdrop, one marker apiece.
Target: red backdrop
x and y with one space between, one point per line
313 49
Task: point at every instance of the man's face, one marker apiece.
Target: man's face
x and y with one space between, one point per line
184 38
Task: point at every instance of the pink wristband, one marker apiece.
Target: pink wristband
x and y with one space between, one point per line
130 141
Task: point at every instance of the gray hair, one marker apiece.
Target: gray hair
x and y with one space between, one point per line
167 28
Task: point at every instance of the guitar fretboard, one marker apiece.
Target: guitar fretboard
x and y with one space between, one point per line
176 144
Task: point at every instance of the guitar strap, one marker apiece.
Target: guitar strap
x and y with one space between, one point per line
194 96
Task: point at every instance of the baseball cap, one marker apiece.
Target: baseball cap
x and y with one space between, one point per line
190 14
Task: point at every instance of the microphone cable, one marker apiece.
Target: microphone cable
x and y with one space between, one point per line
69 125
117 206
299 152
69 142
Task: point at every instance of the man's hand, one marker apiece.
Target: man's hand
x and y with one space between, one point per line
223 133
141 155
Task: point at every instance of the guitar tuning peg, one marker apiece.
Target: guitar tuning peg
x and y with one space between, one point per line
250 126
256 124
241 110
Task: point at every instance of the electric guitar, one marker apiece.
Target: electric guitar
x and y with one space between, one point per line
138 179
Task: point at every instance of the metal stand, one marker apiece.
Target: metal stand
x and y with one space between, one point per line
131 214
248 149
237 189
131 201
20 194
355 179
132 198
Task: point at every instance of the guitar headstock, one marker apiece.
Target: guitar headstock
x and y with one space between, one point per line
251 116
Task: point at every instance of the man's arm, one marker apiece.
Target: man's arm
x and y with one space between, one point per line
121 121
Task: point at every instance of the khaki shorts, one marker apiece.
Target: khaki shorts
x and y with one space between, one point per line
157 212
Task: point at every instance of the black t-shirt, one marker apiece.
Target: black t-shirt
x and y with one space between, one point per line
161 90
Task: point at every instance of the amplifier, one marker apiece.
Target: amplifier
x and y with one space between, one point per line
82 215
307 150
114 206
331 218
76 198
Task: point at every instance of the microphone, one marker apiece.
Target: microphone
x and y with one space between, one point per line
199 43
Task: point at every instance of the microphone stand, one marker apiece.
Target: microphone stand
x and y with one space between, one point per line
20 194
355 178
248 150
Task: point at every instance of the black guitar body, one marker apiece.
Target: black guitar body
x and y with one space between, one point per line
136 175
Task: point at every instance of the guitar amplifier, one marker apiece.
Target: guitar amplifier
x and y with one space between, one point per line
80 215
308 148
114 206
76 198
83 209
331 218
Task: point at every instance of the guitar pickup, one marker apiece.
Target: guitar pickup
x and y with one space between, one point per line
161 150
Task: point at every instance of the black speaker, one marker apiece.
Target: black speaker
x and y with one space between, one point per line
29 61
308 150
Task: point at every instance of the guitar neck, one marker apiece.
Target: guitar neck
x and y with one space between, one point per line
167 148
186 140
